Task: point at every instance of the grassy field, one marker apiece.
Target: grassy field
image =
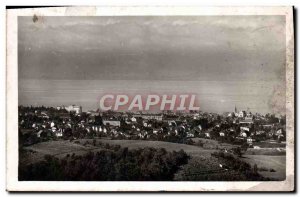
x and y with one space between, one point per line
61 148
266 151
268 144
36 152
133 144
267 162
211 144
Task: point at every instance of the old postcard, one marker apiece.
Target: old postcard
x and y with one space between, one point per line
150 99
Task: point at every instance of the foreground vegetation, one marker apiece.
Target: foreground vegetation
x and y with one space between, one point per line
203 164
112 163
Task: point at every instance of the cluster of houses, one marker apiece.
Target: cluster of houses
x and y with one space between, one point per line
72 122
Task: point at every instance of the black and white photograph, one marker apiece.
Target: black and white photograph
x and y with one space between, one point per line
180 98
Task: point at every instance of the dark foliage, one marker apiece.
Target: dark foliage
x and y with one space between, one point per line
111 164
236 165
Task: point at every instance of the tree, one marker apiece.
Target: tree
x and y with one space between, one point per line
67 133
238 151
255 169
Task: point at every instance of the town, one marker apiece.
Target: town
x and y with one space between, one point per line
237 127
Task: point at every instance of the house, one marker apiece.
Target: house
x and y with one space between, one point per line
155 132
243 134
44 115
190 135
172 123
246 121
112 122
241 114
249 140
198 128
244 129
104 130
152 117
97 128
260 132
207 135
38 134
231 114
267 126
59 133
92 113
270 134
278 132
54 129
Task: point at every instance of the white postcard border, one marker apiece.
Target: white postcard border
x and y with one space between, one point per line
12 102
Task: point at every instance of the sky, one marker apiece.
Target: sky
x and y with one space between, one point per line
227 61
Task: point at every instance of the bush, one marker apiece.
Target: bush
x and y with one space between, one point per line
189 142
199 143
86 143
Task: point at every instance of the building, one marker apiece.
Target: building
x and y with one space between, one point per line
246 122
93 113
207 135
59 132
241 114
249 140
112 122
72 108
149 116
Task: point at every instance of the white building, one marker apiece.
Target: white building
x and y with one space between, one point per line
72 108
149 116
241 114
112 122
249 140
243 134
59 133
207 135
244 129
